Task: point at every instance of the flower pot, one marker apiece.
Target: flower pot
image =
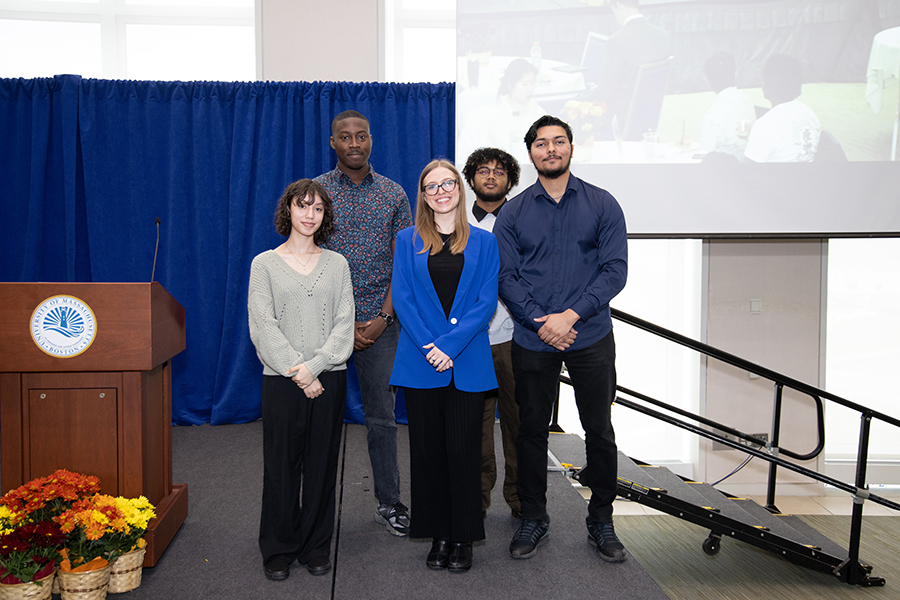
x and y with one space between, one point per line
38 589
86 585
126 571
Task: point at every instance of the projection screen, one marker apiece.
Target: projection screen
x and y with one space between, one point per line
686 112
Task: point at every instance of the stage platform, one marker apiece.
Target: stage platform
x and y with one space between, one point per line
215 554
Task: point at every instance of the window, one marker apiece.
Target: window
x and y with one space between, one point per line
862 331
411 26
129 39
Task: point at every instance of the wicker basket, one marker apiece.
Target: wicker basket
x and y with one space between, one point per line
89 585
28 591
126 571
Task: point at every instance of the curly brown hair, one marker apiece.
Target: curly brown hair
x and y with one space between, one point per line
297 193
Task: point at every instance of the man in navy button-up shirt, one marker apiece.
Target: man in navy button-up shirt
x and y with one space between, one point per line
563 257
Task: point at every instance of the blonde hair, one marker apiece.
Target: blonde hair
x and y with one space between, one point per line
425 226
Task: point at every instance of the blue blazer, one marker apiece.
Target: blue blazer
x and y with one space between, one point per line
464 336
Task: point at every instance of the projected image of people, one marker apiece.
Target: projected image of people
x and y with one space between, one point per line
727 121
789 132
706 116
501 123
638 42
688 72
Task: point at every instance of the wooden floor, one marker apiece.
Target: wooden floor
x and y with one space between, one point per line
838 505
670 551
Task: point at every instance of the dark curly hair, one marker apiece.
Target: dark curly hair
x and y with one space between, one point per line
296 193
483 156
545 121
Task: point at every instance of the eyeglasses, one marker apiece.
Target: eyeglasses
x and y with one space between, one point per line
484 172
432 188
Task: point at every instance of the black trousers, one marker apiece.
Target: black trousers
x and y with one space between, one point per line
593 374
445 463
301 441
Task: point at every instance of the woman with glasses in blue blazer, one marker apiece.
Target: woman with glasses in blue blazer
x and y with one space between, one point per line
445 291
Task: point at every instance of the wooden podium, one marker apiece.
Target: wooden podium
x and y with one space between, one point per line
86 385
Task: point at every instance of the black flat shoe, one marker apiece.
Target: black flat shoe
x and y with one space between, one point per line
460 559
439 555
277 568
318 565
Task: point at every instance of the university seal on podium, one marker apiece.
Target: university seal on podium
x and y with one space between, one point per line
63 326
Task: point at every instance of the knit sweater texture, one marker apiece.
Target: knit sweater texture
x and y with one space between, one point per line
301 319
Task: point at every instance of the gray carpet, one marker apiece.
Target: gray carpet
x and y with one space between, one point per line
373 564
215 554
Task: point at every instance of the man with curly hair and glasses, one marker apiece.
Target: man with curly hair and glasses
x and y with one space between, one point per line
491 173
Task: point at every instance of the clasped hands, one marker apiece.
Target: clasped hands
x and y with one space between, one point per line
557 329
437 358
367 333
304 379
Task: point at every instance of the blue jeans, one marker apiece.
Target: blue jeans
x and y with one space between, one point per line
373 366
593 374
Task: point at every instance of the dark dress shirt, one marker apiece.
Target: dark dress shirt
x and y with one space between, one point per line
556 256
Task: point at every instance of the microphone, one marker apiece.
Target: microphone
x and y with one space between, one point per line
156 251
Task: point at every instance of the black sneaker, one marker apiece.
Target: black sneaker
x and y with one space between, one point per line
603 537
394 517
530 533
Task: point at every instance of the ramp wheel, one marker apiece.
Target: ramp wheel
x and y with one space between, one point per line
711 544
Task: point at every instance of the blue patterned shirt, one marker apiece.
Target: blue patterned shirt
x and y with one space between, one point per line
367 218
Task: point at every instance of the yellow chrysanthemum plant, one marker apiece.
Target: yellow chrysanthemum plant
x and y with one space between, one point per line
102 528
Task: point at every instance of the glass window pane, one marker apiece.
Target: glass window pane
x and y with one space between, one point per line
862 333
435 65
195 3
429 4
47 48
190 52
69 1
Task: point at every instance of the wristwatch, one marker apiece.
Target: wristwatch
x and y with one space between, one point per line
388 319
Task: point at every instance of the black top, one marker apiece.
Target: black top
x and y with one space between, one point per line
445 270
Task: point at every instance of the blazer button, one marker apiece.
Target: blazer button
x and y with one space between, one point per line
453 321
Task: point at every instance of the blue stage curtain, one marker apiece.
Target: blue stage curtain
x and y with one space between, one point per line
88 165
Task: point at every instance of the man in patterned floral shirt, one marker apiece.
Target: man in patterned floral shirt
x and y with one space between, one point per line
369 211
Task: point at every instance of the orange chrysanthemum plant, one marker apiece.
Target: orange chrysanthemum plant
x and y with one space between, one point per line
30 539
102 528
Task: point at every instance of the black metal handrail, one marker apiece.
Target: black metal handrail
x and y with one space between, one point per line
742 363
851 570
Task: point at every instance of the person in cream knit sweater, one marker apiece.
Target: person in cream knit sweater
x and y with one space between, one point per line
301 311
